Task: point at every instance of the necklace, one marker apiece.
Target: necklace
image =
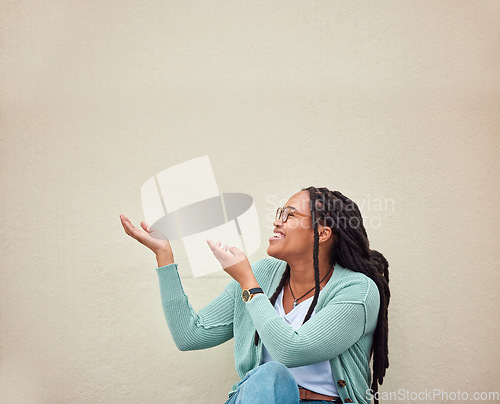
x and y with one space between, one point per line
297 299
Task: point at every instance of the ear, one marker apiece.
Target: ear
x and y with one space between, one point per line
325 233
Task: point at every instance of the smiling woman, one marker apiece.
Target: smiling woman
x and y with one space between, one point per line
306 320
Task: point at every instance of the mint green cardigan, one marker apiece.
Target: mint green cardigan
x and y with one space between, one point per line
341 330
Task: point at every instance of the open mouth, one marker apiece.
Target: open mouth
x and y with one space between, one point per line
276 236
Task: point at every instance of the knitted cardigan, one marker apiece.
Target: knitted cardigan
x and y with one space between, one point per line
341 330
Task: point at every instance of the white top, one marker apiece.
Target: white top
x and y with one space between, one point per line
316 377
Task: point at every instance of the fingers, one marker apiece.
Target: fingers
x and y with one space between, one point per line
214 246
129 227
217 248
234 250
220 246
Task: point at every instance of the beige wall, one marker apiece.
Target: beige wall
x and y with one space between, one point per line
387 100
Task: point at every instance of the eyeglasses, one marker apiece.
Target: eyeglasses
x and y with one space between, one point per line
283 214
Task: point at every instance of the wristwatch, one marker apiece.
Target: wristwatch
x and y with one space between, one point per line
247 294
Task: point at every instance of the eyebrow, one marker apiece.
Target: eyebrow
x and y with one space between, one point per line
292 207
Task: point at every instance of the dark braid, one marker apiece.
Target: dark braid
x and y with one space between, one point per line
316 268
284 278
351 250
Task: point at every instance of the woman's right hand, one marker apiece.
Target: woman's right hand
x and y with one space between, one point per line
161 248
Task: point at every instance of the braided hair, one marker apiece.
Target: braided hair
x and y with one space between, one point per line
351 250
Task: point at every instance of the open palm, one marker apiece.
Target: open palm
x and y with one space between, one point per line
143 235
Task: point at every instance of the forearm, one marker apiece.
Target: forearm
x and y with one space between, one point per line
326 335
210 327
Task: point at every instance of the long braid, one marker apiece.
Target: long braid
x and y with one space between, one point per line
351 250
284 278
316 265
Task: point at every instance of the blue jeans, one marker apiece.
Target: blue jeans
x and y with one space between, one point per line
268 383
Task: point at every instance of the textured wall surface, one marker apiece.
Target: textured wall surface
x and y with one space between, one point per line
394 103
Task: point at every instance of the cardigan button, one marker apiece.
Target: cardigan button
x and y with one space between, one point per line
341 383
347 400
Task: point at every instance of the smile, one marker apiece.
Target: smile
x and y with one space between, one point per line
276 236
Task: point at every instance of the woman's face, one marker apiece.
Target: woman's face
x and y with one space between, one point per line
296 239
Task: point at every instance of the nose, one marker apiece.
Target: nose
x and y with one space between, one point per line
277 222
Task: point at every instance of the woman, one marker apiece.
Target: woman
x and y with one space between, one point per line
305 321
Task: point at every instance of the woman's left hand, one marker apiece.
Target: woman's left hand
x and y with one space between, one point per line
235 263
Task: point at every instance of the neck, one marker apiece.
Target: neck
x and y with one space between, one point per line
302 274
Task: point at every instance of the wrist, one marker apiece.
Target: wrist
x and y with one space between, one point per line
164 257
249 284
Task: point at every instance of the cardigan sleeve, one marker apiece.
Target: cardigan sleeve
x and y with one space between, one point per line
330 332
211 326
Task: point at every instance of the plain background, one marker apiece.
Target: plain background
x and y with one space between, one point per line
393 103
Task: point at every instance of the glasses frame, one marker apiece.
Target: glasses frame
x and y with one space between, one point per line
281 211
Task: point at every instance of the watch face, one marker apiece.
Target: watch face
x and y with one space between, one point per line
245 295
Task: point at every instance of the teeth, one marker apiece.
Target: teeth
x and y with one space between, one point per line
278 235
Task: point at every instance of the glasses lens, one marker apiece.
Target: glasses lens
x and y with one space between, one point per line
278 213
284 218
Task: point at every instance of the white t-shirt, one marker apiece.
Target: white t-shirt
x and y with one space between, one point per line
316 377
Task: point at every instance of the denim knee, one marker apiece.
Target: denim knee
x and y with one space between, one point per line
275 368
270 382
